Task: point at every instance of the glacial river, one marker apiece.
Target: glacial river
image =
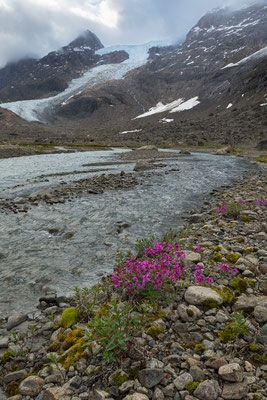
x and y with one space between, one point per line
34 262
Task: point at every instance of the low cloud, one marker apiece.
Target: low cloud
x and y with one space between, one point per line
35 27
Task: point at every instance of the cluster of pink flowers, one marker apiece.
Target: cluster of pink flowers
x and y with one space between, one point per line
162 264
260 201
227 268
198 249
222 209
199 277
242 202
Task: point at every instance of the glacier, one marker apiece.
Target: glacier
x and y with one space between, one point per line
40 110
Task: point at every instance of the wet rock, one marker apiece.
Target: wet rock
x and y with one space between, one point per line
231 372
234 391
15 319
150 377
182 380
142 165
148 147
197 294
31 386
208 390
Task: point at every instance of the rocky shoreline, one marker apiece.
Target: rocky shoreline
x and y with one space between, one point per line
198 341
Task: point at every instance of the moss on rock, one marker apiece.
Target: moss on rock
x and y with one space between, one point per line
154 331
7 356
239 284
199 348
208 304
232 258
69 317
191 386
231 332
217 257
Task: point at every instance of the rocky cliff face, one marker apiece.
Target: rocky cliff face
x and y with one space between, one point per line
34 79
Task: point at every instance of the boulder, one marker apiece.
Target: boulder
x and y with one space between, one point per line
150 377
231 372
182 380
142 165
31 386
15 319
208 390
234 391
197 294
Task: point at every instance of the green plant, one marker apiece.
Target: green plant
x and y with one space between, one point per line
24 343
114 329
143 243
87 299
241 323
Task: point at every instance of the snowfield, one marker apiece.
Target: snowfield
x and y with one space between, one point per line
40 110
175 106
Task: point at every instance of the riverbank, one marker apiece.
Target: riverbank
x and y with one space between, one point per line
203 337
28 148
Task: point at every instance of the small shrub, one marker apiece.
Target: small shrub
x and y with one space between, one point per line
245 218
113 331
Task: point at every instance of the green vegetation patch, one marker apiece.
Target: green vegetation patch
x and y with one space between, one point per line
69 317
154 331
232 258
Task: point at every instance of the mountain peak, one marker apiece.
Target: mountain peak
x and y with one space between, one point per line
87 39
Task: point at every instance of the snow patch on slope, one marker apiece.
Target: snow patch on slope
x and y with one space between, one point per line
174 106
259 54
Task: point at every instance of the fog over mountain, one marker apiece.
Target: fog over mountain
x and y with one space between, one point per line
35 27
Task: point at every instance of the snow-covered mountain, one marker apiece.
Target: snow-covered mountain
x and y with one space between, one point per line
210 88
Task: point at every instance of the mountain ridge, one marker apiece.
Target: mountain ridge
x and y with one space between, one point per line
213 65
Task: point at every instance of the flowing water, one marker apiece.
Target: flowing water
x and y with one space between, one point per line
87 230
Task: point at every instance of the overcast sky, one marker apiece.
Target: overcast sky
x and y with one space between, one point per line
35 27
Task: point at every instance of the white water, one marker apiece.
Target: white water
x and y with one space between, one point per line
37 110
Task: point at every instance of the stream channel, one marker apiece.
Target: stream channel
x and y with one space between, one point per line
34 262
